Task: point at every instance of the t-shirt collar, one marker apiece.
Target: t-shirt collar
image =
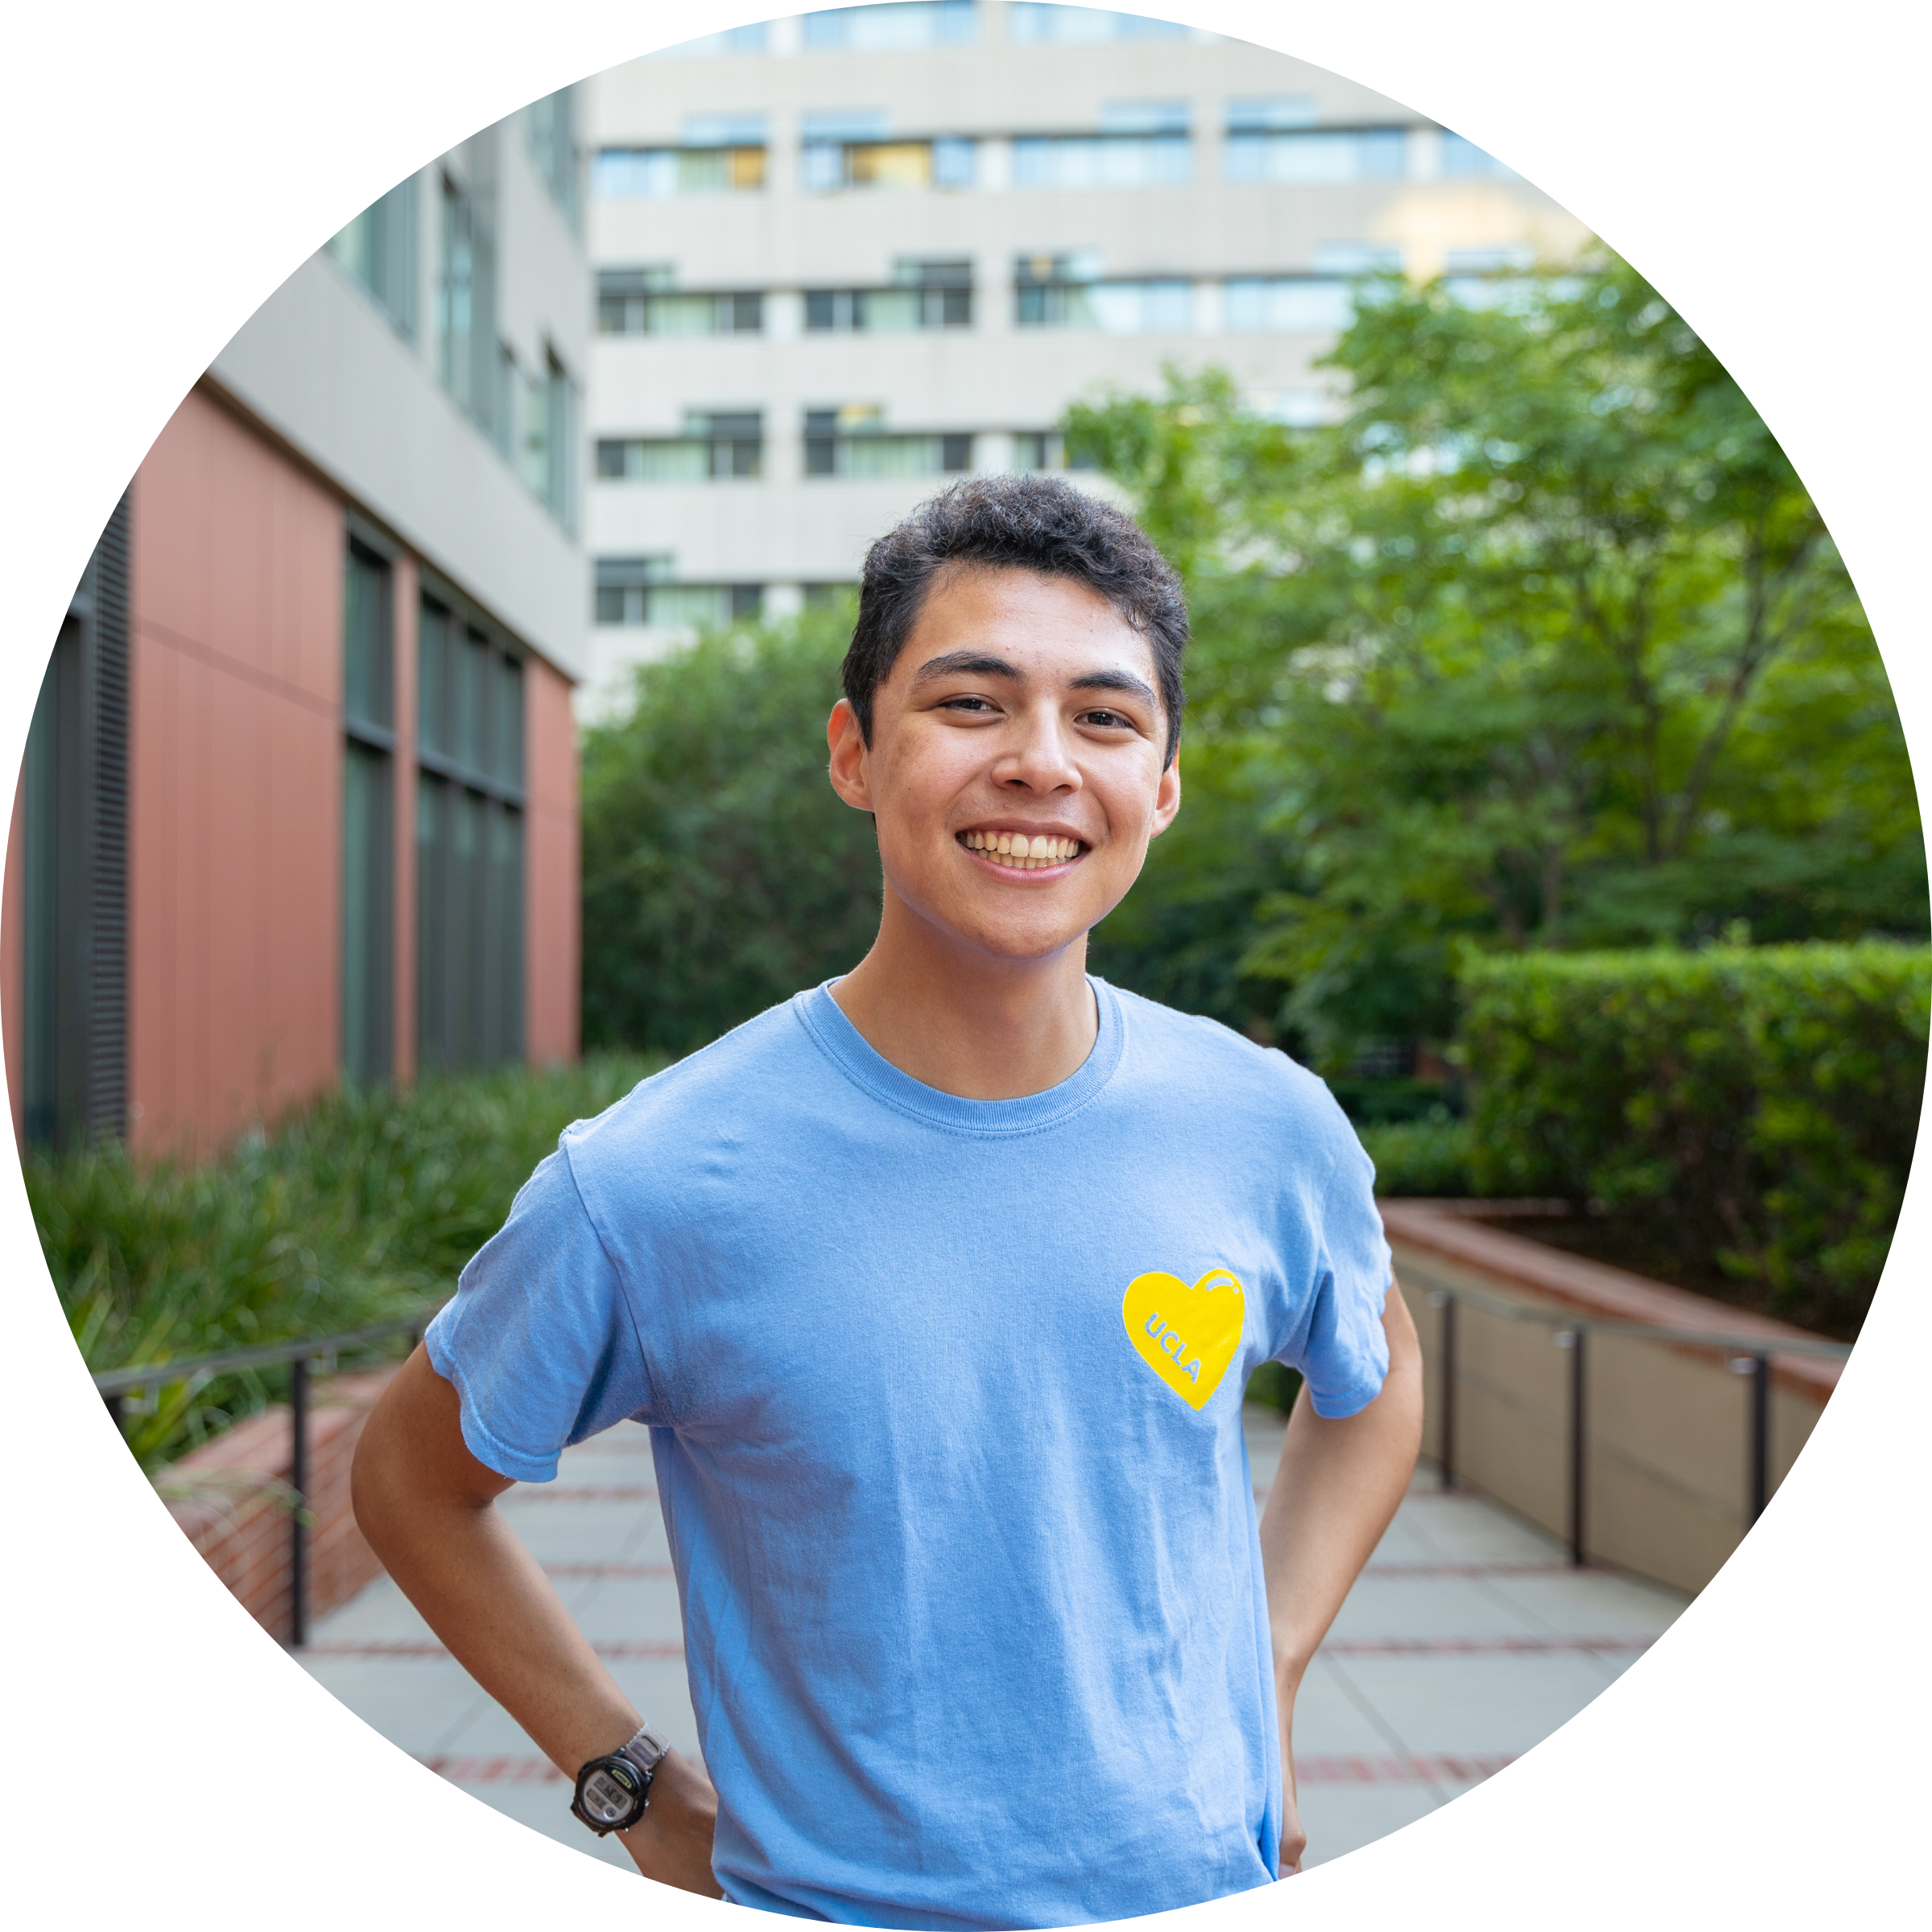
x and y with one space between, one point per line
866 1067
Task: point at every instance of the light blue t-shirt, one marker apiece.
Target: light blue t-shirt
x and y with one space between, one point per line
945 1402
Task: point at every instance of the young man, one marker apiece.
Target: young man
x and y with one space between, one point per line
939 1286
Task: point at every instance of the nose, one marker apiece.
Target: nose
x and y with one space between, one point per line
1038 756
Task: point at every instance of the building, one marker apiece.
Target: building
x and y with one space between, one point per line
299 796
844 256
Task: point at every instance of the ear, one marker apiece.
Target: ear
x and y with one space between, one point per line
1166 798
846 743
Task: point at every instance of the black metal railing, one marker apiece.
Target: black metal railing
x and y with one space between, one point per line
1748 1354
138 1389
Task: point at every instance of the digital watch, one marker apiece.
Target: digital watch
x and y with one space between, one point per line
613 1792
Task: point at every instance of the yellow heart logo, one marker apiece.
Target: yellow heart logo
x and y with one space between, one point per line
1187 1336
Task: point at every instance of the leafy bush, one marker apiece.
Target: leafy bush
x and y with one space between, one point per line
721 872
1425 1159
1761 1103
357 1211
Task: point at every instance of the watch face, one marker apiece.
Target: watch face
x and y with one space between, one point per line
607 1798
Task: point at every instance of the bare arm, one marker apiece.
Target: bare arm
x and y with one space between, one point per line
1339 1484
427 1506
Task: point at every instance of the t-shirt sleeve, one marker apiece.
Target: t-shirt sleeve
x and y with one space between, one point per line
1341 1349
539 1341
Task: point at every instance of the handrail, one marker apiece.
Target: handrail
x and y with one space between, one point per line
1751 1354
115 1385
121 1382
1736 1341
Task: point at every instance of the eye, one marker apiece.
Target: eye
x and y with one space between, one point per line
1108 720
968 703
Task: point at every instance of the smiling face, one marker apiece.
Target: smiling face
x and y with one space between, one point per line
1022 708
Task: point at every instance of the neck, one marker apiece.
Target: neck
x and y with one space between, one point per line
968 1022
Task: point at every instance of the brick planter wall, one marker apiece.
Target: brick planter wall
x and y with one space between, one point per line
231 1499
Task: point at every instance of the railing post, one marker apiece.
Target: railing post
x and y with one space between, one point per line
298 1482
1761 1434
1572 1339
1446 1301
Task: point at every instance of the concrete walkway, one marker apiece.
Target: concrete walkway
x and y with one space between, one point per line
1468 1640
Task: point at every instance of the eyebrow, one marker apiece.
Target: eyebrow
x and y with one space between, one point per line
974 663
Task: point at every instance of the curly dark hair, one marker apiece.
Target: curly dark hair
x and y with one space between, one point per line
1017 522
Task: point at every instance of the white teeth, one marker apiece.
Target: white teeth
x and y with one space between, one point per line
1023 853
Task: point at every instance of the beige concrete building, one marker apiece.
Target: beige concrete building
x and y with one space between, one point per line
844 256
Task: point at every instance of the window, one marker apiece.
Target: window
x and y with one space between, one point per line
948 162
367 827
899 23
73 825
378 248
745 128
928 294
1039 449
1259 112
641 302
1317 156
639 591
1029 21
1066 292
551 126
1161 117
1355 259
1500 278
853 442
549 436
1082 161
1288 304
658 174
470 844
825 597
468 354
1463 160
716 444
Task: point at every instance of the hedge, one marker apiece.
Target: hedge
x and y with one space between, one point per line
1418 1158
1760 1103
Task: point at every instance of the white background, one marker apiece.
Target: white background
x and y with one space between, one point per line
169 164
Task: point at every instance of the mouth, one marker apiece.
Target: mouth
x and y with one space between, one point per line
1013 851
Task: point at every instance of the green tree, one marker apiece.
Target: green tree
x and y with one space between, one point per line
1544 644
721 872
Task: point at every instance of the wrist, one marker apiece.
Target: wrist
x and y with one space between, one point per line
1290 1667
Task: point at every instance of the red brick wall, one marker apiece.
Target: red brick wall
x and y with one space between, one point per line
230 1500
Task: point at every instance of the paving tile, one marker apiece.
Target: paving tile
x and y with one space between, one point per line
1477 1706
416 1702
1429 1607
634 1607
1592 1603
1328 1718
379 1613
606 1530
1467 1528
1343 1817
